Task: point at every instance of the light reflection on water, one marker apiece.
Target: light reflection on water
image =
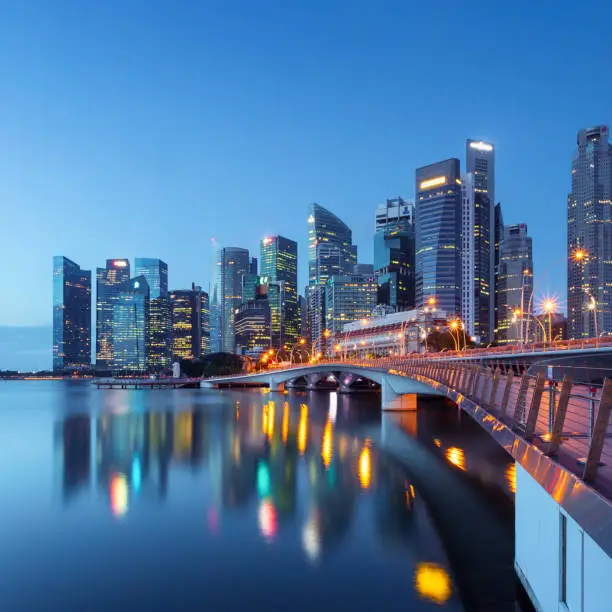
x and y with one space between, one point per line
168 500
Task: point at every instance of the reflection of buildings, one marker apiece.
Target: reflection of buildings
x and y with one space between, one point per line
76 446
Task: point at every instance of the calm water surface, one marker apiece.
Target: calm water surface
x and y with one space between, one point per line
207 500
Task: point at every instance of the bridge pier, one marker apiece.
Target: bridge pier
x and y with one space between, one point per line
276 385
345 380
396 400
312 380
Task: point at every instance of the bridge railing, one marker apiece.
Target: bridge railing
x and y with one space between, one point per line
565 418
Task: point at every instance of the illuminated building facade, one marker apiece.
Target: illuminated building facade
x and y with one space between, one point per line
155 272
71 315
130 326
438 235
253 327
589 231
478 235
110 282
235 263
190 323
394 250
349 298
515 282
278 264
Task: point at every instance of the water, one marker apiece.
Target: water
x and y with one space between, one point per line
189 500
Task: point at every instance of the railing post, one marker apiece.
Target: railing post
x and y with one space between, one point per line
534 408
493 395
559 422
506 396
520 398
599 432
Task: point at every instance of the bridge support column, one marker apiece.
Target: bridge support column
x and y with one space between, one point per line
275 385
345 380
392 400
312 380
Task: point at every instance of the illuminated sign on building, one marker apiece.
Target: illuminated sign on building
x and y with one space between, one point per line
433 182
481 146
119 263
267 240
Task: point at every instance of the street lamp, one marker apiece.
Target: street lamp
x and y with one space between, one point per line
593 306
549 307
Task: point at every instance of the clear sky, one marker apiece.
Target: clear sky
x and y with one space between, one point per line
143 128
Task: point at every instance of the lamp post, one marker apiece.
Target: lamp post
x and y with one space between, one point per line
593 306
549 306
300 342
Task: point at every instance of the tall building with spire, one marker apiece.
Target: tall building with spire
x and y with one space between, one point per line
589 236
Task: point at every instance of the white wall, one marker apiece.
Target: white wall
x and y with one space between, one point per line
538 554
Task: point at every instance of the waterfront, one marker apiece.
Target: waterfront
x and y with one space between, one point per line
191 499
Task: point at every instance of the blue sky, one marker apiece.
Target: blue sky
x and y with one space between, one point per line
145 128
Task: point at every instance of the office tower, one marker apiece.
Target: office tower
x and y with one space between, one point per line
253 266
304 327
515 283
330 246
278 265
250 286
478 236
254 326
330 253
130 326
235 263
589 236
438 235
155 272
363 268
349 298
190 323
110 282
499 238
394 253
71 315
215 299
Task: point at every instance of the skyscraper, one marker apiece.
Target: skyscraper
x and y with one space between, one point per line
394 245
110 282
253 327
130 326
235 263
349 298
438 235
589 236
215 298
478 235
190 323
155 272
330 253
515 283
278 265
71 315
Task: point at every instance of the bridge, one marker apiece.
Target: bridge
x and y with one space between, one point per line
556 429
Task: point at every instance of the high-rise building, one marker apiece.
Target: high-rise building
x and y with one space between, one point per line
330 253
589 236
215 298
515 283
364 268
71 315
499 238
478 236
278 265
190 323
438 235
349 298
303 310
394 246
330 246
235 263
130 326
253 327
155 272
110 282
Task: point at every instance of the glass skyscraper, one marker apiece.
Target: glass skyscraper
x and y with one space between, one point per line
589 232
349 298
253 327
499 238
515 283
235 263
394 246
278 265
71 315
190 323
155 272
438 235
130 326
110 282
